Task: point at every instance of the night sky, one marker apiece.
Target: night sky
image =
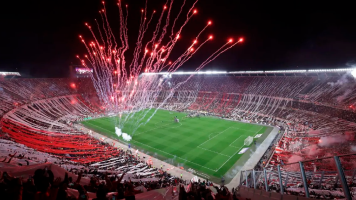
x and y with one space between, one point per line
39 38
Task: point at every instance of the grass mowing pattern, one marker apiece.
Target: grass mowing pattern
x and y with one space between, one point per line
207 144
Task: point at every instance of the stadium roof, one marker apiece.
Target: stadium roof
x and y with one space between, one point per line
340 70
10 74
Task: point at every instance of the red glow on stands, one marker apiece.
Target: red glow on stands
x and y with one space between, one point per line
73 85
115 72
142 10
210 37
195 41
165 7
230 40
209 22
112 97
241 39
170 62
191 49
195 11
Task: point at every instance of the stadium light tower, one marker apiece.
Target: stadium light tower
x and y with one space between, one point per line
353 73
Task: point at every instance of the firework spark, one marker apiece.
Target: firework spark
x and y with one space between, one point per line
118 83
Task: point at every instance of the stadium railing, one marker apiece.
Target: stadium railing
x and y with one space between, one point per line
288 179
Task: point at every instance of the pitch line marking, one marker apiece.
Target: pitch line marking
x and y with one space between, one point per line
235 141
235 152
174 155
258 131
214 136
220 133
161 150
228 159
213 151
197 146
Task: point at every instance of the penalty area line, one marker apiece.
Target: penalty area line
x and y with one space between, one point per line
174 155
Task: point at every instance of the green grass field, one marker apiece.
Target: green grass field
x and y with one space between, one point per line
208 145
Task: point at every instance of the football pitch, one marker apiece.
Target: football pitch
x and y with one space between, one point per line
208 145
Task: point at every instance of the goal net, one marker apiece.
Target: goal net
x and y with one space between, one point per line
248 141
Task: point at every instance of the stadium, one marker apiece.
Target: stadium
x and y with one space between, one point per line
267 133
177 100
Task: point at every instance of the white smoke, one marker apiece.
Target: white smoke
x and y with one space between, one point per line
118 131
313 150
343 96
331 140
292 159
341 81
353 148
126 137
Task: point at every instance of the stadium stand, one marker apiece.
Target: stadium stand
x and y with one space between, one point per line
316 114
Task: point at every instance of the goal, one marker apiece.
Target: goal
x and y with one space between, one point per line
248 141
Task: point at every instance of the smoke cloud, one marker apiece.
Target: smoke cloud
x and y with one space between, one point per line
353 148
118 131
126 137
331 140
343 96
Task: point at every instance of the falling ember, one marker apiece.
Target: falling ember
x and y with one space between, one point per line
107 57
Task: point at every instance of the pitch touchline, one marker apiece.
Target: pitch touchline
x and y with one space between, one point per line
258 131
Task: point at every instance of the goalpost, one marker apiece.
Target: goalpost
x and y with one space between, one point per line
248 141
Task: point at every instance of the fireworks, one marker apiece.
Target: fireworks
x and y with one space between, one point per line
117 81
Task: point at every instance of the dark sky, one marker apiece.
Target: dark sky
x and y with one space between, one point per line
39 38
